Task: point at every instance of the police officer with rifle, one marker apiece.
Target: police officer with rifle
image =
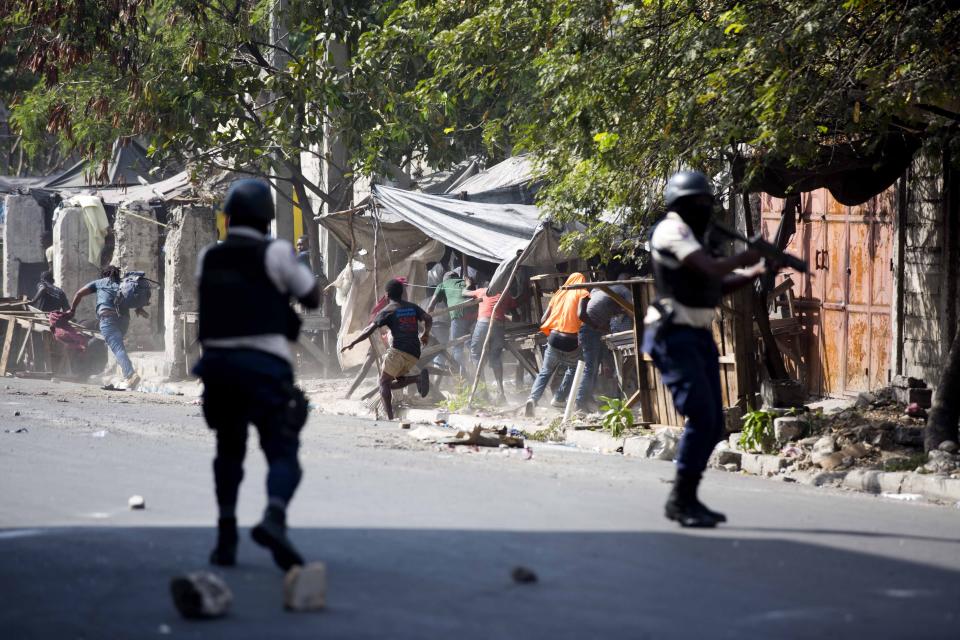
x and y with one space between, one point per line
690 282
246 323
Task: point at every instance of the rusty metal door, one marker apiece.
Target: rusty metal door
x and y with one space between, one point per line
855 266
846 296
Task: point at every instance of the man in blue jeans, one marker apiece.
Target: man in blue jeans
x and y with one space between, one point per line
450 292
596 311
113 317
690 282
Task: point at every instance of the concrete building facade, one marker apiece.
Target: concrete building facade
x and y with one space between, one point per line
23 253
137 248
190 229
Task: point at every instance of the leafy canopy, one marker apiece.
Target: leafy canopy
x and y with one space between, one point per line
611 97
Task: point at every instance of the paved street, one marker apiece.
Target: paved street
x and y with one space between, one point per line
419 543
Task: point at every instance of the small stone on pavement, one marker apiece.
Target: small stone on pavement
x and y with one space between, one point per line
201 594
305 588
523 575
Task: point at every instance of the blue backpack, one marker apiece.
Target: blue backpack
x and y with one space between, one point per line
134 290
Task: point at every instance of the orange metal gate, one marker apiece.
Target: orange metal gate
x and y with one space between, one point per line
845 298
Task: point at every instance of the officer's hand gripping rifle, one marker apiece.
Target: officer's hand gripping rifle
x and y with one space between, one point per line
774 257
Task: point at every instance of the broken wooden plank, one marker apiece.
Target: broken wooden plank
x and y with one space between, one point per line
312 349
26 341
624 304
7 346
371 357
431 351
457 307
34 375
522 359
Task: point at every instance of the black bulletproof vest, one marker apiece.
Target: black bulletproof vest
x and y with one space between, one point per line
687 286
237 298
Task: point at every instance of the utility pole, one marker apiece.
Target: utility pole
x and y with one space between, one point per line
283 226
334 165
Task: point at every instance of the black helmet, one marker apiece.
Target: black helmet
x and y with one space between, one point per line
249 199
686 183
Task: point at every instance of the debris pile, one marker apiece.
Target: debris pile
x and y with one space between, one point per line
35 344
882 431
477 437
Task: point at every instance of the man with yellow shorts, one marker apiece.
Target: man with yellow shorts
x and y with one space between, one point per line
403 319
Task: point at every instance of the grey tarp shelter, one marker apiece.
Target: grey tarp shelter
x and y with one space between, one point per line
399 230
128 166
397 223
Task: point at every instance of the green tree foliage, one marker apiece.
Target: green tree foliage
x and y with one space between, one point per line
613 96
203 81
610 96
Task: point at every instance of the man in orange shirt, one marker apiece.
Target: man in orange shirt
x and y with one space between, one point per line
496 346
561 323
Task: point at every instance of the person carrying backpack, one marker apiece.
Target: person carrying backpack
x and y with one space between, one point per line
113 316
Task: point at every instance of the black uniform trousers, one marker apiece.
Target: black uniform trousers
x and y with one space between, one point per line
244 386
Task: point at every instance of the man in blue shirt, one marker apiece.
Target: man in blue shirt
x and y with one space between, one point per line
113 318
403 319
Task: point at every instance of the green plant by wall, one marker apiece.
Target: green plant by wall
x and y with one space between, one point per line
757 434
617 416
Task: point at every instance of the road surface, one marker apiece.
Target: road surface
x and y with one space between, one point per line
420 542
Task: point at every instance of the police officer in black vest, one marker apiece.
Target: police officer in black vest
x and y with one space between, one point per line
690 282
247 284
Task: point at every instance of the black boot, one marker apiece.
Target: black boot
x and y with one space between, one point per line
225 553
683 507
716 515
272 534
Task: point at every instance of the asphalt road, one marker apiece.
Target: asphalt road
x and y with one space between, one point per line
420 542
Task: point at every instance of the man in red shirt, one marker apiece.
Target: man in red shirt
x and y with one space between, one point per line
496 346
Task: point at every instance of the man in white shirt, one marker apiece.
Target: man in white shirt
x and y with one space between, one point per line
246 324
690 283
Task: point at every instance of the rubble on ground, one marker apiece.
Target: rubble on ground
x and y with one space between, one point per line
200 595
881 432
478 436
305 588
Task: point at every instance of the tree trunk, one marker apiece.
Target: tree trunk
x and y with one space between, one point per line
945 414
773 359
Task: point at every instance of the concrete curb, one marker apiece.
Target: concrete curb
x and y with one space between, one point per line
932 487
595 440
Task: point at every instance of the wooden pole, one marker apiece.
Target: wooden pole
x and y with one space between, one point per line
493 315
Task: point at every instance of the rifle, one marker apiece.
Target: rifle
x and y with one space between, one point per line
774 257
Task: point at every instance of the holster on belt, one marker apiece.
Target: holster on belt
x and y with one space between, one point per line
666 317
295 409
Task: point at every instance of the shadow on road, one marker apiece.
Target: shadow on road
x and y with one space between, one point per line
387 583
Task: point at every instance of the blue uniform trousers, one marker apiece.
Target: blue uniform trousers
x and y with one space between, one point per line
687 358
243 386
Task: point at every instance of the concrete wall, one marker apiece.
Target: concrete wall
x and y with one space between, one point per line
137 248
22 241
71 268
923 282
190 229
